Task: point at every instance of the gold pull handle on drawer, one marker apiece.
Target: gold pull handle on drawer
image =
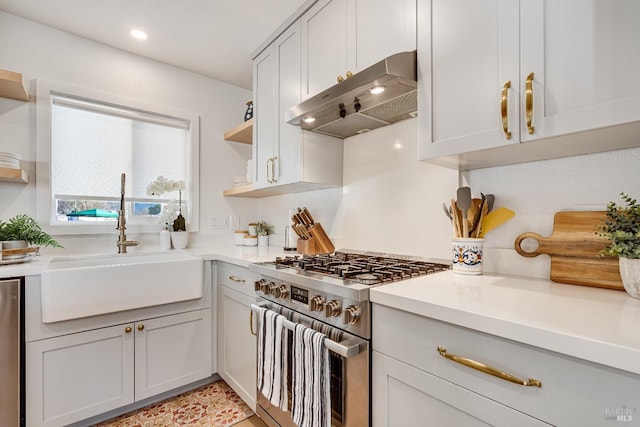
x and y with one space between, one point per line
504 108
528 101
128 329
251 323
141 327
488 369
340 79
236 279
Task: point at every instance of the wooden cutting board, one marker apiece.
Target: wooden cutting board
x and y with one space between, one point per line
573 247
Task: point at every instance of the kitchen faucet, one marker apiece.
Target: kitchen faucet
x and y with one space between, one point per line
122 238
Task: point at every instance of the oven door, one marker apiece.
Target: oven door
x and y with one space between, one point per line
349 372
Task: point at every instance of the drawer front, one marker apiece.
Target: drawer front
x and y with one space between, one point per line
572 392
238 278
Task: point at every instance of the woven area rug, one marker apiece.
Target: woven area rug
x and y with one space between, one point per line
213 405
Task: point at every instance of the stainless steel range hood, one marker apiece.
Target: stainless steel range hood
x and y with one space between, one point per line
349 107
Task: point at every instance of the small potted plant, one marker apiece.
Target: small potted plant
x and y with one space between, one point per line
21 232
263 230
622 227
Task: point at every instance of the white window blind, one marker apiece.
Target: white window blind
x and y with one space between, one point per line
92 143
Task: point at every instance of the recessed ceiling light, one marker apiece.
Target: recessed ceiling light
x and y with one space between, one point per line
309 119
139 34
377 89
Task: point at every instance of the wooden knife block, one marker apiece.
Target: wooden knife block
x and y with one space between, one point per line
307 246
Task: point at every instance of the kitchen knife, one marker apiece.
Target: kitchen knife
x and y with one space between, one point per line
308 215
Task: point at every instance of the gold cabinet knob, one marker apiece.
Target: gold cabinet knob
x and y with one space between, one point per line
128 329
340 79
140 327
349 74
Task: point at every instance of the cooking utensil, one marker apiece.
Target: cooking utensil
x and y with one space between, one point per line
573 247
490 201
477 216
447 211
494 219
464 203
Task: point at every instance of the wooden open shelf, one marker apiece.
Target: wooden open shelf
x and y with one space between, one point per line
13 175
241 133
12 86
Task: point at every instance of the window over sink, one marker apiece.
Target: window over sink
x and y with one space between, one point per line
86 139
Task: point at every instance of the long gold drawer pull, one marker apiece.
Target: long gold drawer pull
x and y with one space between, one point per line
528 101
236 279
504 108
251 323
488 369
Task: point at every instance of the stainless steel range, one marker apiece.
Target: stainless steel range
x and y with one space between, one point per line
333 290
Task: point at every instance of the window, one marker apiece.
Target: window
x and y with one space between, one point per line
93 139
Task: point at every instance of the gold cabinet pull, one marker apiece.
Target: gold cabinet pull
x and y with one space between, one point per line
269 169
349 74
251 322
140 327
528 101
128 329
504 108
340 79
236 279
274 177
488 369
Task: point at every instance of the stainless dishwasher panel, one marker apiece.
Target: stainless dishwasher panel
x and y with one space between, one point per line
10 353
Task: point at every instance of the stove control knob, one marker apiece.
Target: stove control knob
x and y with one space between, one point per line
257 285
273 289
351 315
333 308
281 292
265 288
316 303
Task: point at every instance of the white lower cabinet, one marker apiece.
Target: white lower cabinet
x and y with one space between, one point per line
236 344
77 376
421 376
406 396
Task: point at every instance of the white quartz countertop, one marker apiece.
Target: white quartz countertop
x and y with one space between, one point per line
598 325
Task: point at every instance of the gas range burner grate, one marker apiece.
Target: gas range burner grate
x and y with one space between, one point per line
368 268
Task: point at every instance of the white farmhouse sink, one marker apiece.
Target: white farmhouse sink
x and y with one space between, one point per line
75 287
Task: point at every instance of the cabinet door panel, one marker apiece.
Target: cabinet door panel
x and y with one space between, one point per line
172 351
237 349
586 62
406 396
77 376
264 135
324 44
468 51
372 44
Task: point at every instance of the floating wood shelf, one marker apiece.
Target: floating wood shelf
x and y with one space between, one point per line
13 175
241 133
12 86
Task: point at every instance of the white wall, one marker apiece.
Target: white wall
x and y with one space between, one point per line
40 52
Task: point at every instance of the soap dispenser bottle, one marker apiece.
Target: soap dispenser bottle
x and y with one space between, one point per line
165 238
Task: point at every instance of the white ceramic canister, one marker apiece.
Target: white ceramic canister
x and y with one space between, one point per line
239 237
252 229
165 238
250 240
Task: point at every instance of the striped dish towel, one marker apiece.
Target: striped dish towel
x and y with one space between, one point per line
311 401
272 358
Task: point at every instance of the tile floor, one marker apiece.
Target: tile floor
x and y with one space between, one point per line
213 405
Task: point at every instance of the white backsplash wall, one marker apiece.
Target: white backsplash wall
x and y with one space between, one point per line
40 52
390 202
536 190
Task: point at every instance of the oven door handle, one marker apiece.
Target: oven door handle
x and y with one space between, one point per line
349 347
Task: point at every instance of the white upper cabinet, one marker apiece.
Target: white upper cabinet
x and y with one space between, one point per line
585 61
343 37
284 154
493 74
468 51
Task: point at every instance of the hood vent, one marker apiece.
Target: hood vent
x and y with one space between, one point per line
351 107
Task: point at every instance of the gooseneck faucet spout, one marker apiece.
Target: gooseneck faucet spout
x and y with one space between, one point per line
122 238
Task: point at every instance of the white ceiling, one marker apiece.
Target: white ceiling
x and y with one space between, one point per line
211 37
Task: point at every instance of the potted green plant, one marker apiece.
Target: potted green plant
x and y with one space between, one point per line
22 231
263 230
622 227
